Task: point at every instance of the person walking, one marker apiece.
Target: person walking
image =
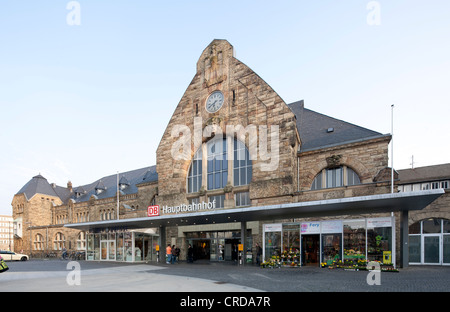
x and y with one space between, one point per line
174 254
190 254
168 254
258 254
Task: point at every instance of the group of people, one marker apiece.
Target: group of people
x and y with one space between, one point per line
172 254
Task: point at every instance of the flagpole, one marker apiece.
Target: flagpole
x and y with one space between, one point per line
392 148
118 195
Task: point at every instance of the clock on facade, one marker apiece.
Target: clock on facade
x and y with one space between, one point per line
214 101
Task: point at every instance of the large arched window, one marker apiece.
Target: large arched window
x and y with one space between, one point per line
217 164
335 177
194 179
59 242
217 169
242 165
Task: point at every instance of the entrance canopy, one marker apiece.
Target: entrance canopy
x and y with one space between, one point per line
332 207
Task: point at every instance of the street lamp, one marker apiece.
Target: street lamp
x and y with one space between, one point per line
29 227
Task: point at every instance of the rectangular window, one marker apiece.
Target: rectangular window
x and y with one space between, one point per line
354 239
242 199
220 199
334 177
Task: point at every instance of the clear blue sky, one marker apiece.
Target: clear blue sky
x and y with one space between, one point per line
82 102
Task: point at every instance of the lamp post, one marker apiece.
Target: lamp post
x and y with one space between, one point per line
29 228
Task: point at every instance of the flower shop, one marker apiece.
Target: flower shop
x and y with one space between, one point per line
347 243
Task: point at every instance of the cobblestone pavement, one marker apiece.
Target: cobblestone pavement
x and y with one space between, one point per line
50 275
315 279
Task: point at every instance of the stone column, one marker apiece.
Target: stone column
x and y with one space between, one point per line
404 239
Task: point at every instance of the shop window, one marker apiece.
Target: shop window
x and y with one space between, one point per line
429 242
335 177
354 239
331 247
415 247
379 241
272 245
291 243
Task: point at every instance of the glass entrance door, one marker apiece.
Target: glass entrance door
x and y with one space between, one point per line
431 244
112 250
108 250
103 250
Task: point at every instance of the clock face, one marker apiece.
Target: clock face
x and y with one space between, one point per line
214 101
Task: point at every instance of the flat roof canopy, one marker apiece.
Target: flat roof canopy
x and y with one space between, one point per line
332 207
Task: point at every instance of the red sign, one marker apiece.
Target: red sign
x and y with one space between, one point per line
153 211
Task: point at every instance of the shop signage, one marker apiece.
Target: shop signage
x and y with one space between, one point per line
332 226
153 211
276 227
379 222
310 228
190 208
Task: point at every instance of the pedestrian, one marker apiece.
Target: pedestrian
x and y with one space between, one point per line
190 258
258 254
174 254
168 254
64 253
178 253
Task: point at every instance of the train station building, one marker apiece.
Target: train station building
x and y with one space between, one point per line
235 167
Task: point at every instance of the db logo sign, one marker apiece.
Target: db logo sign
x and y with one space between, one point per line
153 211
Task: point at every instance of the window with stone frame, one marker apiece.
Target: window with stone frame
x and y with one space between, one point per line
217 170
38 242
59 241
335 177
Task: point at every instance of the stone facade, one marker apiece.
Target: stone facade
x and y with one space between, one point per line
251 110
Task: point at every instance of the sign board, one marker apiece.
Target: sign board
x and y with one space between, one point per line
276 227
330 227
157 248
379 222
387 257
241 247
153 211
310 228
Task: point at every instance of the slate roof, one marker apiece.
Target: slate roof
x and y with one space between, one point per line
424 174
314 128
109 184
40 185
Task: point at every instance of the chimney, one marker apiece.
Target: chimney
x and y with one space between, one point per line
69 186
